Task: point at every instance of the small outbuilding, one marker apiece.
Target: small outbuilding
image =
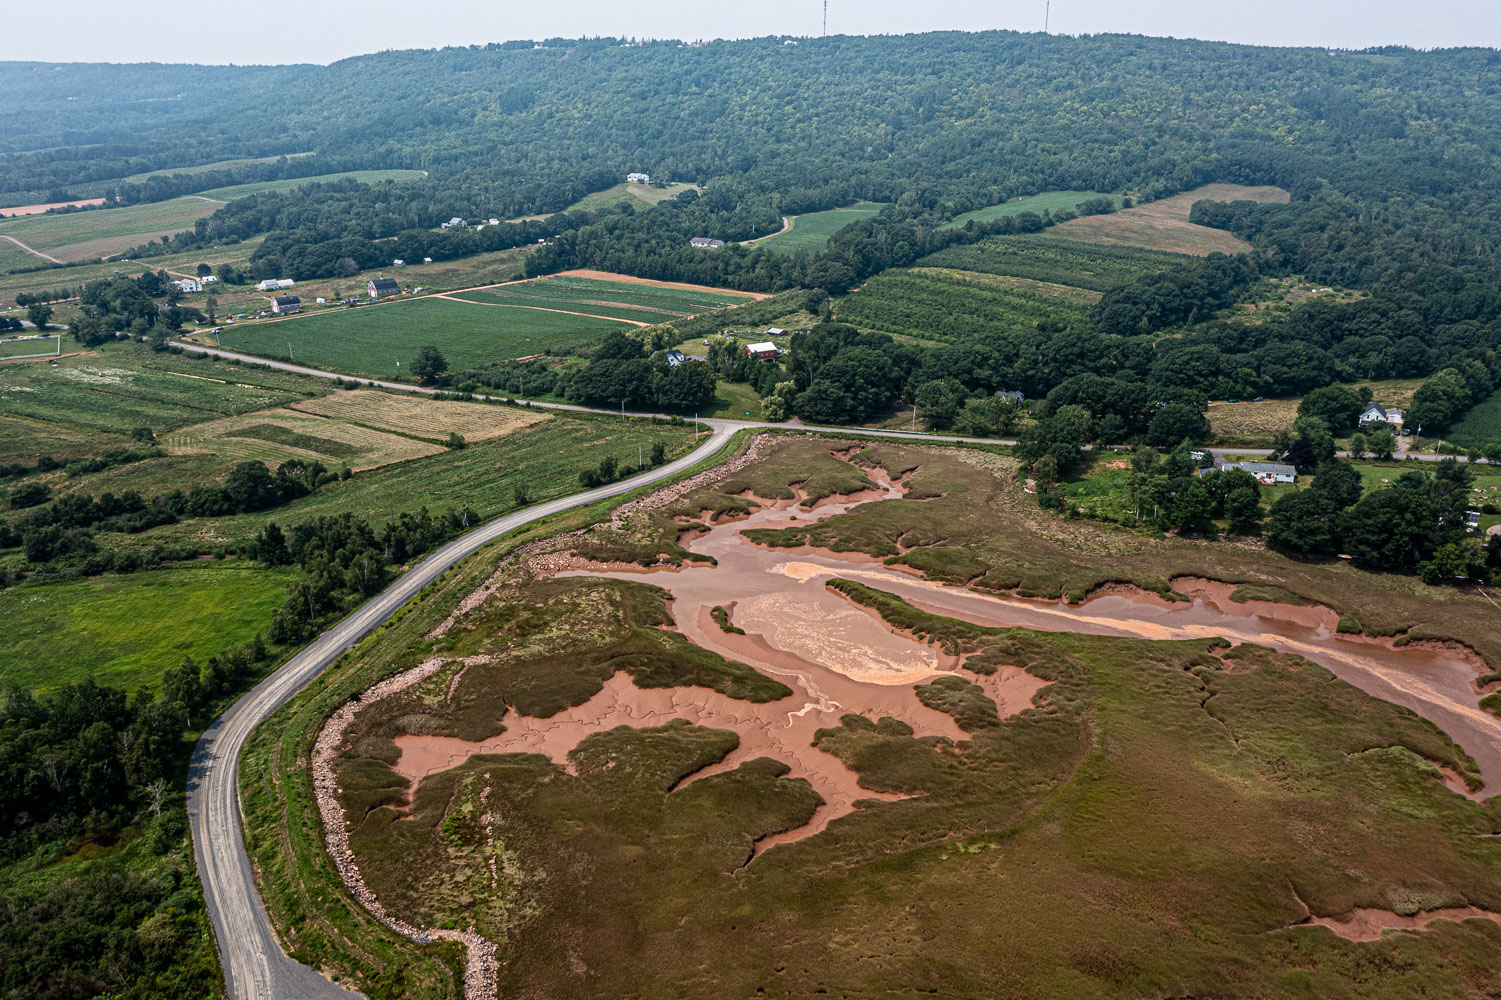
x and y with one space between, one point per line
380 288
776 331
285 305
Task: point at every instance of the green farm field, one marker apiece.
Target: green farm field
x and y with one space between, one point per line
631 301
1048 201
125 630
13 258
76 275
1042 257
372 339
1481 427
811 232
938 305
227 194
126 386
105 231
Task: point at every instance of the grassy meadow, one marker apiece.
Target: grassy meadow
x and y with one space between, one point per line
1163 225
76 275
638 303
639 195
1048 201
810 233
125 630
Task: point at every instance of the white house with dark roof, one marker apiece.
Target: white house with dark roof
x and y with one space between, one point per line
638 178
705 243
1374 413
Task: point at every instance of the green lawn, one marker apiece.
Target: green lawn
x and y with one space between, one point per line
126 630
17 348
811 232
291 183
1481 427
639 195
371 340
735 401
1048 201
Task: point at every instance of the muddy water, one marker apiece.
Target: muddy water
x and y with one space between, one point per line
839 658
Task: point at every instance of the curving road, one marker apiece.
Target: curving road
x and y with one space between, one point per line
255 967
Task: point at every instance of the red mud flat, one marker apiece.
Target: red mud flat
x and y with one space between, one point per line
1369 925
840 658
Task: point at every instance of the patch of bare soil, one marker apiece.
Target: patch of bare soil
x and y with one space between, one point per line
1370 925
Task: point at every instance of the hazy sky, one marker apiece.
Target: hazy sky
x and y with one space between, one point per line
325 30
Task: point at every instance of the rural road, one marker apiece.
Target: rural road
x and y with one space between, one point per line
786 225
255 967
719 422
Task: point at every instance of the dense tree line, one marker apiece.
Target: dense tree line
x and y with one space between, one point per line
1415 524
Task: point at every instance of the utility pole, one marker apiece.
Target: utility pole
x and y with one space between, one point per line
914 416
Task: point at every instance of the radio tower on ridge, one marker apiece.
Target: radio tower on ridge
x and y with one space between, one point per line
826 18
1047 15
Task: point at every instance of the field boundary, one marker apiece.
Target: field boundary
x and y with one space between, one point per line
28 249
453 297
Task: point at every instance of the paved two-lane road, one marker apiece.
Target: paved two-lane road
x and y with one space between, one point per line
255 968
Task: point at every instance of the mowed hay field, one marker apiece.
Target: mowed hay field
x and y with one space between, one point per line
811 232
111 627
372 340
104 231
274 436
1164 225
429 419
1048 201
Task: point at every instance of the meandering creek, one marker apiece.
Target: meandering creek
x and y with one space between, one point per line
839 658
